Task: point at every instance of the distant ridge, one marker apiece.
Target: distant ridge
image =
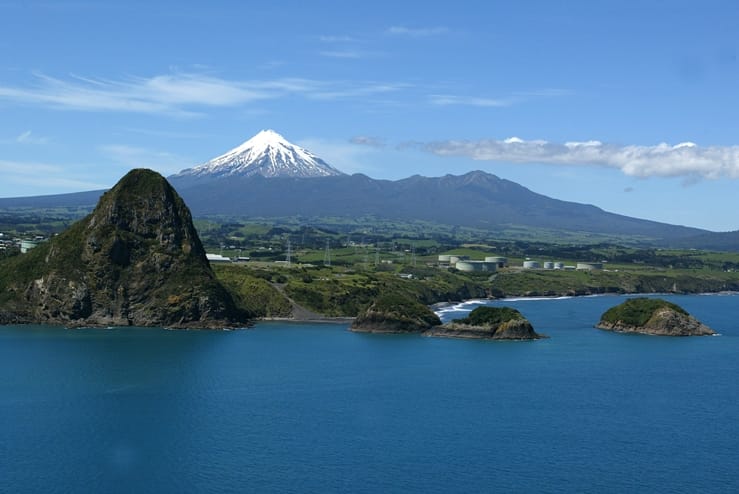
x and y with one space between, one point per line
267 154
476 199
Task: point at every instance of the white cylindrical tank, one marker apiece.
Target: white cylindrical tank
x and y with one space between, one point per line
500 261
27 245
531 265
476 266
456 259
548 265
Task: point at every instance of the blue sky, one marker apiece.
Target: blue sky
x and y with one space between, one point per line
631 106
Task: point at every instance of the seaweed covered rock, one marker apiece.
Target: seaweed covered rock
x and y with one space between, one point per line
393 313
652 316
496 323
135 260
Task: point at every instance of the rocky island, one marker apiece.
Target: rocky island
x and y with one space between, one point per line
136 260
652 316
495 323
394 313
398 314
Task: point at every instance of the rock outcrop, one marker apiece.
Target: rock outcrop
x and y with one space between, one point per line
495 323
395 314
652 316
135 260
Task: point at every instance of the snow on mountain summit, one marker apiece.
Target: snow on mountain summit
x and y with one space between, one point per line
267 154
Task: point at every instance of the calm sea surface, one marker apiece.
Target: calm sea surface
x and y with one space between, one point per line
315 408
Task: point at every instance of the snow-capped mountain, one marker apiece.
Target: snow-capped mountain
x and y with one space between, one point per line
267 154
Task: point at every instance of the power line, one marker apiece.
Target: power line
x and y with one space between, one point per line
327 254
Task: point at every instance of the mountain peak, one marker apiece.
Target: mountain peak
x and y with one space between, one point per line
267 154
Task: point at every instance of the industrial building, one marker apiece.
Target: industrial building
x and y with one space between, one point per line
500 261
589 266
216 258
476 266
456 259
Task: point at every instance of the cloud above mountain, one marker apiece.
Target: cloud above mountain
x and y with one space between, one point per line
178 94
685 159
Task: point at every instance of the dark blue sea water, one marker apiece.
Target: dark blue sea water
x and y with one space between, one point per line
315 408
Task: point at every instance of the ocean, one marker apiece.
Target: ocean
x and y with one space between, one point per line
288 407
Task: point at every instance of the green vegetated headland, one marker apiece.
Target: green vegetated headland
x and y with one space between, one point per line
336 268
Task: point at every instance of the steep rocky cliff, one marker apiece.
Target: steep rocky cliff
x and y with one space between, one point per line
392 313
652 316
136 260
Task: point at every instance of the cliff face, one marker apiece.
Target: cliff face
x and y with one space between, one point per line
136 260
395 314
652 316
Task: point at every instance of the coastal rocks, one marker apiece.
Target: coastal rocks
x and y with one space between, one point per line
397 314
392 313
652 316
495 323
135 260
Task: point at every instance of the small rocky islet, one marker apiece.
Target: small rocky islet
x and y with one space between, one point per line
494 323
652 316
395 314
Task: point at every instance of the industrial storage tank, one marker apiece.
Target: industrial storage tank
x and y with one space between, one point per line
27 245
476 266
444 258
456 259
559 265
548 265
589 266
531 265
500 261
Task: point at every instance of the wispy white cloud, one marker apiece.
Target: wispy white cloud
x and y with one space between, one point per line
374 142
138 157
419 32
513 98
686 159
343 54
29 167
27 137
543 93
346 156
337 39
177 94
448 99
43 175
345 91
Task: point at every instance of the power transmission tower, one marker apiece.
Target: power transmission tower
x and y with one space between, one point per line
327 254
